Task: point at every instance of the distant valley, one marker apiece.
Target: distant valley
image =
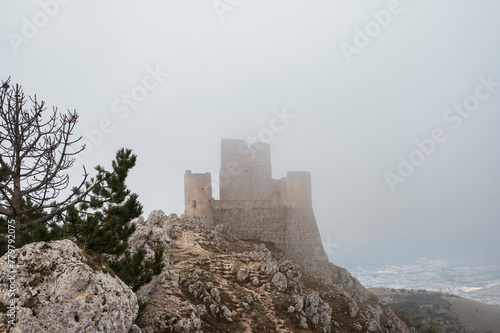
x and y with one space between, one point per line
461 277
431 312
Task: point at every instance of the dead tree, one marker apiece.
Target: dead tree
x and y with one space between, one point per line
35 156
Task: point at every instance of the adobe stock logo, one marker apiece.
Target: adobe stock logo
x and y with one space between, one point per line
372 29
122 106
428 146
30 28
277 124
222 7
150 82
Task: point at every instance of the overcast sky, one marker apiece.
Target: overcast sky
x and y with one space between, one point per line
356 82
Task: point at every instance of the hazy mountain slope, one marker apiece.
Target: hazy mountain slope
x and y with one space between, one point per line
440 312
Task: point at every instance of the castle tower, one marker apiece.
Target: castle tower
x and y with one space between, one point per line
302 238
198 195
298 189
245 171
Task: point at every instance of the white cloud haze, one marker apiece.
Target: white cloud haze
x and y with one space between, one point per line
169 79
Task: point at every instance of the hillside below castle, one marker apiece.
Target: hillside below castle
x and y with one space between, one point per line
212 282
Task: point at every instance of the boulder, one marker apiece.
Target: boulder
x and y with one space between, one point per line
255 281
279 281
153 234
269 267
59 289
227 314
242 275
372 326
293 276
358 327
314 309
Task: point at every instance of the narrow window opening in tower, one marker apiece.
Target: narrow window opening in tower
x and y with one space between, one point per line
194 203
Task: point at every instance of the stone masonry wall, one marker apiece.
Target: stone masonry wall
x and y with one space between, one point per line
253 220
303 241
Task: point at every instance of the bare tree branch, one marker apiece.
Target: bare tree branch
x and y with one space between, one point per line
35 158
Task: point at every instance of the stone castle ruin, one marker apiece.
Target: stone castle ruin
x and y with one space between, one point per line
255 206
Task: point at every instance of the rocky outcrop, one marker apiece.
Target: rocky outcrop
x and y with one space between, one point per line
152 234
346 282
59 289
312 308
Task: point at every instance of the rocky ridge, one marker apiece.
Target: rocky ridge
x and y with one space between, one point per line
212 282
216 283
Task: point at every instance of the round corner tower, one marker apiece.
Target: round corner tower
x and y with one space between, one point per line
198 195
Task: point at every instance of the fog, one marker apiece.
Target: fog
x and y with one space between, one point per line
360 83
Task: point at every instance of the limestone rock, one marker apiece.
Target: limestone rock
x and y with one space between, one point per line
59 290
279 281
358 327
152 234
303 323
269 267
255 281
353 309
247 299
299 303
374 312
135 329
260 253
344 279
202 309
242 275
214 292
372 326
293 276
410 330
221 228
317 311
214 310
187 325
166 309
227 313
313 309
196 289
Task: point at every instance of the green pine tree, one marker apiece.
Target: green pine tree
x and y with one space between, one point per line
101 224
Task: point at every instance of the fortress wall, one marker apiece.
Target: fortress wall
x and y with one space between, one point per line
298 189
291 229
303 241
245 171
253 220
198 195
255 206
278 191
